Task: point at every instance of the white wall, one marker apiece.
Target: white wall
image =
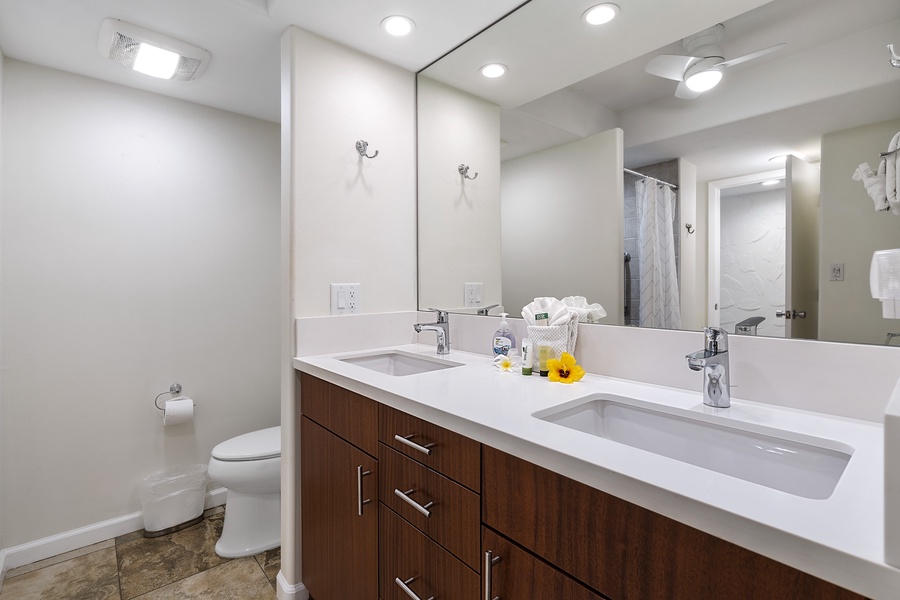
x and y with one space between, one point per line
354 218
2 77
753 260
140 248
459 219
351 219
562 216
853 231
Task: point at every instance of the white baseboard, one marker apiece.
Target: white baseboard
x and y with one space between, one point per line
287 591
25 554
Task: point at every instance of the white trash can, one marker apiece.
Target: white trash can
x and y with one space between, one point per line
173 498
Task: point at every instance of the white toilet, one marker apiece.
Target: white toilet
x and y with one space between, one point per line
249 467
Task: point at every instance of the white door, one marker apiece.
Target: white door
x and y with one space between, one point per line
801 249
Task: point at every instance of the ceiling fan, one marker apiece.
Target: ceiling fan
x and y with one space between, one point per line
702 69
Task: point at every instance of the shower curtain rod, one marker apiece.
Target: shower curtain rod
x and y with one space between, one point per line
671 185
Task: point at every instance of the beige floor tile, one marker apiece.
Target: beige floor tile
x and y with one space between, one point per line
146 564
270 561
89 577
59 558
239 579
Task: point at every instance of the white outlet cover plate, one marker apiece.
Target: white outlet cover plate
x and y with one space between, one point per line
346 298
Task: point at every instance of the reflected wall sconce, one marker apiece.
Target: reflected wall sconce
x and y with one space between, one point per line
362 147
464 171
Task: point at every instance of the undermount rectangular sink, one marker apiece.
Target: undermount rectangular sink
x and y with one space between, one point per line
399 363
798 464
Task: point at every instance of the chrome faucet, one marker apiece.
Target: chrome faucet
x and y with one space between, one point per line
713 361
441 327
484 310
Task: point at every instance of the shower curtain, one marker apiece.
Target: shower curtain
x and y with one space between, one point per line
656 237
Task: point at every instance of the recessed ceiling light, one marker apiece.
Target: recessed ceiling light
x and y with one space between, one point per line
600 14
494 70
150 52
398 25
770 182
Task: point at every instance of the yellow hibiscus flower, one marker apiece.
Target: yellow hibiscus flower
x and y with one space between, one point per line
565 369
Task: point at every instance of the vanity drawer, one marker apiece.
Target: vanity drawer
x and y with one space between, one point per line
406 553
344 413
448 453
627 552
453 519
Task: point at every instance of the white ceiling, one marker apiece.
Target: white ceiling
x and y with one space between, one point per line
242 35
833 74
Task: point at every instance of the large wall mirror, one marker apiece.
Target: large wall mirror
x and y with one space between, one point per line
542 182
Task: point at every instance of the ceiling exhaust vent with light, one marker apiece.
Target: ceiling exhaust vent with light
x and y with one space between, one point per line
150 52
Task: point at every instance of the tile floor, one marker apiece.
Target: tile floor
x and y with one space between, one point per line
179 566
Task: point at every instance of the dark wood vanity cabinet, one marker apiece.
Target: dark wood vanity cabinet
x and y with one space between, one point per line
626 552
395 507
430 510
338 492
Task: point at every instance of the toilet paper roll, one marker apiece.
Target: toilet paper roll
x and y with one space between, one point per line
178 410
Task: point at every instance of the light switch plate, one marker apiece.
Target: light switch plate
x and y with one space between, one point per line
346 298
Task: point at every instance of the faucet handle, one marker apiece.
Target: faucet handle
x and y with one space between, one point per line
442 315
716 339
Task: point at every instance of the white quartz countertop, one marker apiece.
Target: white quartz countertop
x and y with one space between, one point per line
839 539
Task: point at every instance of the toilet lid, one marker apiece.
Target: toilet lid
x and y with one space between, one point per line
256 445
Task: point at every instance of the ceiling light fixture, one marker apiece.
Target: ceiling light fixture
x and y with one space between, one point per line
600 14
494 70
150 52
398 25
770 182
704 75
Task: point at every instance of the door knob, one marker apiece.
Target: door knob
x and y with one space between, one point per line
791 314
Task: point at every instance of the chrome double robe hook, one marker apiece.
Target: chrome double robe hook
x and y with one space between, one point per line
362 147
464 171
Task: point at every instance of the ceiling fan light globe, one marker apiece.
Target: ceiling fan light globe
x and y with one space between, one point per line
704 80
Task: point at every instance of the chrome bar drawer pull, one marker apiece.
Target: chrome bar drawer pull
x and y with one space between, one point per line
489 561
426 449
359 492
404 585
405 497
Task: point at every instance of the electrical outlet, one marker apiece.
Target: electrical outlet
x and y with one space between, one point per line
474 294
837 272
346 298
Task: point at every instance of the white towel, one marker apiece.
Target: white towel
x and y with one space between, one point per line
556 310
892 175
587 313
875 184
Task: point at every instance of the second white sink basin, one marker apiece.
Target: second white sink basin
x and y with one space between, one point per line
399 363
794 463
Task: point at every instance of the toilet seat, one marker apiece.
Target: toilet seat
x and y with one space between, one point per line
256 445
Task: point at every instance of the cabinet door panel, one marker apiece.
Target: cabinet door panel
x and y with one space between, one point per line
454 518
407 554
340 547
518 574
627 552
344 413
450 454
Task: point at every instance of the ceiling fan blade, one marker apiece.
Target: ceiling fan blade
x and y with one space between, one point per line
751 56
670 66
683 91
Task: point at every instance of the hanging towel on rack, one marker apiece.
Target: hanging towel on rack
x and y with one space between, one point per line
875 184
892 175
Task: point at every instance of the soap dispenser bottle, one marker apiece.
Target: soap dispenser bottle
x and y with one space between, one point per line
504 340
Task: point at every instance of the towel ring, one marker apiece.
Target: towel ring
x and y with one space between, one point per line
464 171
362 147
